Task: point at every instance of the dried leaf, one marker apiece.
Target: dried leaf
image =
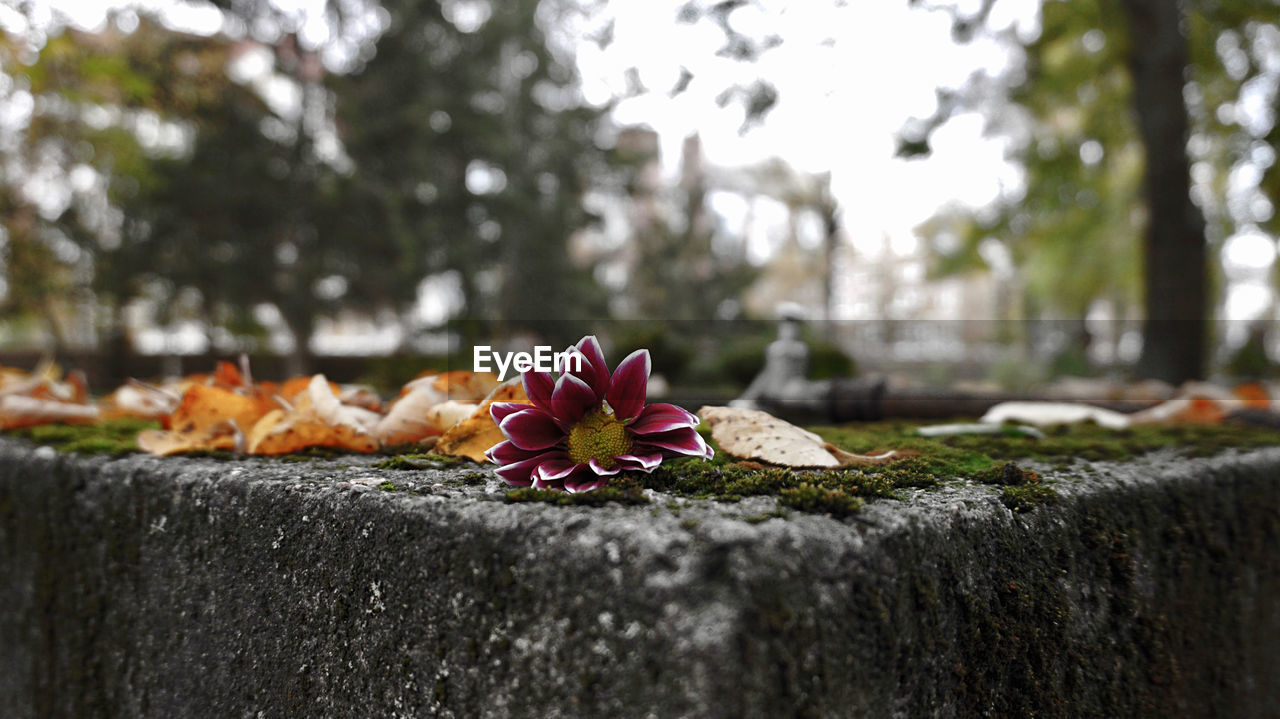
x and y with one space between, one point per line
317 419
224 434
41 397
25 411
471 437
207 418
464 384
1044 414
451 412
407 421
137 399
753 434
1196 403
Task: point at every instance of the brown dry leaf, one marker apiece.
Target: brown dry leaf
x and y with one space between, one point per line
472 436
407 421
224 434
141 400
450 412
18 410
1196 403
358 395
1254 394
204 406
42 397
317 419
464 384
207 418
752 434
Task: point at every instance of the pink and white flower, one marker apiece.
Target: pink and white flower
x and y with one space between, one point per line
588 425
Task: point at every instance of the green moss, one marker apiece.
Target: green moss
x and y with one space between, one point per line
758 518
419 460
821 500
388 486
309 454
964 454
705 480
623 491
114 437
1027 497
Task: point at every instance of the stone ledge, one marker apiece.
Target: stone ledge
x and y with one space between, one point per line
204 588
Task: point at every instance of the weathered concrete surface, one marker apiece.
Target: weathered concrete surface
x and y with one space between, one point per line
201 588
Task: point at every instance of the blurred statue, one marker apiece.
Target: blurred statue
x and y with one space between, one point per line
783 387
786 364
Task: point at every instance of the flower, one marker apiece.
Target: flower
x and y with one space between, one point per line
587 425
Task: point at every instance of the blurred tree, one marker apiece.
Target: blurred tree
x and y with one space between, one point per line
1112 98
66 167
460 144
472 147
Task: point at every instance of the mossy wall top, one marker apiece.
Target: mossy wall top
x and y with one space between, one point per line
203 588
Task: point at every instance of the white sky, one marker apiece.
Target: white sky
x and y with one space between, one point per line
847 78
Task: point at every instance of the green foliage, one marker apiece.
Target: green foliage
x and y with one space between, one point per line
1084 156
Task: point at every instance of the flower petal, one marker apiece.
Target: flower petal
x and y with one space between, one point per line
662 417
531 429
593 370
571 399
678 441
556 470
538 387
639 462
601 470
584 483
629 385
499 410
540 483
519 473
508 453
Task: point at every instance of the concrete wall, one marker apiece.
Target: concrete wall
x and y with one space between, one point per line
204 588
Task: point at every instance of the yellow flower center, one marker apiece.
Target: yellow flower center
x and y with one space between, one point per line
601 436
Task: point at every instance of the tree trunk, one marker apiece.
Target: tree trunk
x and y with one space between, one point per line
1176 326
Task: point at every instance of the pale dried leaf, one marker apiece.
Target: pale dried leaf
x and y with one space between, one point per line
753 434
447 414
407 421
473 436
1045 414
24 411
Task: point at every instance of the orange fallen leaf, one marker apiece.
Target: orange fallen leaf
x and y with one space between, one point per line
1196 403
42 397
471 437
317 419
1254 394
753 434
464 384
207 418
223 434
